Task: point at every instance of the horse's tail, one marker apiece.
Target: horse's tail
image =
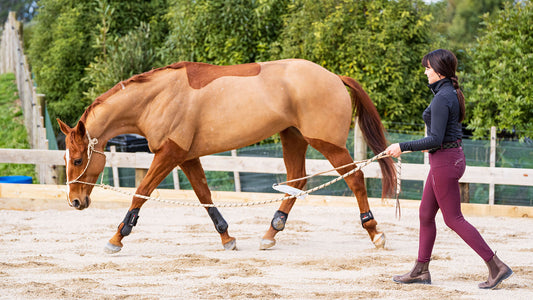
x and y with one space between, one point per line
373 132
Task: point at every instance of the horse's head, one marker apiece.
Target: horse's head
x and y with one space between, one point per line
82 167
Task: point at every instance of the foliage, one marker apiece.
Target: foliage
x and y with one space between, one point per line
25 9
222 31
498 89
466 22
59 51
379 43
12 127
82 48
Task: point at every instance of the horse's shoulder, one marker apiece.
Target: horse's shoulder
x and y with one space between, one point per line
201 74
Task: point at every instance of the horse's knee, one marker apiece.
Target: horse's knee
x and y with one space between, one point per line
220 224
129 221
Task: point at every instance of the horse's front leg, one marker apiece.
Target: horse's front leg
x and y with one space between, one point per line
165 159
196 175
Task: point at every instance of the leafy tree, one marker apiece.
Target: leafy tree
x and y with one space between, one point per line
222 31
79 49
457 22
25 9
59 51
466 22
379 43
498 86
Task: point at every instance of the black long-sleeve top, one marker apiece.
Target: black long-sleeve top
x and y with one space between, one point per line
441 118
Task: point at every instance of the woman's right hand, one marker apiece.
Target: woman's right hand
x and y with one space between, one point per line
394 150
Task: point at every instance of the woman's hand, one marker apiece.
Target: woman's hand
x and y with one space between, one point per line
394 150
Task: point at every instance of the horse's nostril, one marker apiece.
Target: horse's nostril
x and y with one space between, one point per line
87 201
76 203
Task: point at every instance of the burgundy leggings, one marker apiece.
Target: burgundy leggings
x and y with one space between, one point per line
442 191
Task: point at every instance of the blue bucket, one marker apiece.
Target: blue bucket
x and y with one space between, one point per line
16 179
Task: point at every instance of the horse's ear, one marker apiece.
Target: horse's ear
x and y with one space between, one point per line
81 128
64 127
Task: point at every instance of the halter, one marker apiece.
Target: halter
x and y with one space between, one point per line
90 150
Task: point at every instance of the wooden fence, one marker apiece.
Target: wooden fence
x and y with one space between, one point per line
142 160
13 60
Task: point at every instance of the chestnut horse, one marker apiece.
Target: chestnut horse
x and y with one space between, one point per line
187 110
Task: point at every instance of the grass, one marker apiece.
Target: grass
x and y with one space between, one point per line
12 130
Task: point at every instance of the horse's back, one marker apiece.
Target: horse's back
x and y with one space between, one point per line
321 104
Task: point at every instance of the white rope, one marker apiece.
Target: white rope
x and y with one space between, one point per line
362 164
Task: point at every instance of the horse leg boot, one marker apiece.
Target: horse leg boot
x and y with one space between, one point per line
419 274
165 159
294 148
339 156
196 175
498 272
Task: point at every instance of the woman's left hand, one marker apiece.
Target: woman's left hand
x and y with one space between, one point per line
394 150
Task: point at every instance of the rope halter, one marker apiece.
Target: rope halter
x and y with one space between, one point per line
90 150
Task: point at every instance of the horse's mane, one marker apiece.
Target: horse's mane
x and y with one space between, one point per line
144 77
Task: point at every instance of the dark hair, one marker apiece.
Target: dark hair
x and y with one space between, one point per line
444 63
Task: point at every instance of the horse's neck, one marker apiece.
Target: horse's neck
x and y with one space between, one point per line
116 116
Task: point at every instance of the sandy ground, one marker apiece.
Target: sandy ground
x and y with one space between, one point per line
48 251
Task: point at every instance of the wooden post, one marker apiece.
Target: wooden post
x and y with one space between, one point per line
492 161
139 176
359 144
176 179
236 176
116 181
465 192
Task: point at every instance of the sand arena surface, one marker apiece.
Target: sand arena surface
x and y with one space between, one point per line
53 252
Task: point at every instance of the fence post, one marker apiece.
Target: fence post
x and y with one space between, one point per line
359 144
236 176
116 181
176 179
492 161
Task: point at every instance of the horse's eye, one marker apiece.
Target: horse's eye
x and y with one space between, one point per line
77 162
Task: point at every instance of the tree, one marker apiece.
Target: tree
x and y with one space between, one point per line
379 43
221 31
25 9
81 48
59 51
499 74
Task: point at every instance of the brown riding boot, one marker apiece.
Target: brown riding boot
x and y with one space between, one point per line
419 274
498 271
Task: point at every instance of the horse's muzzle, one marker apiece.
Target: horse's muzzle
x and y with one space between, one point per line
80 205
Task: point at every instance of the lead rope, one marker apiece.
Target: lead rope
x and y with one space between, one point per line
398 211
363 163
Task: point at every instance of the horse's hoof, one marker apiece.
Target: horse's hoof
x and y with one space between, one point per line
231 245
110 248
379 240
265 244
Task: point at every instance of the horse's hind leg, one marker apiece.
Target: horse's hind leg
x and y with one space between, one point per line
339 156
195 173
294 148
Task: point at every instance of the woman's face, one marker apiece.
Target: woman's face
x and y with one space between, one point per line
431 74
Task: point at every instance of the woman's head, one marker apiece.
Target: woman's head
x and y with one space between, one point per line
442 63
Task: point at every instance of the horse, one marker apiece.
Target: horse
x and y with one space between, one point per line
189 109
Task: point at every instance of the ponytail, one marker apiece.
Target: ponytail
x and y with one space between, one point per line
460 96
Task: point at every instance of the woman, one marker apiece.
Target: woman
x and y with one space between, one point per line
443 119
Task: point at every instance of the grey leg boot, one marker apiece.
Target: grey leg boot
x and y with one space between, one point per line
498 271
419 274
